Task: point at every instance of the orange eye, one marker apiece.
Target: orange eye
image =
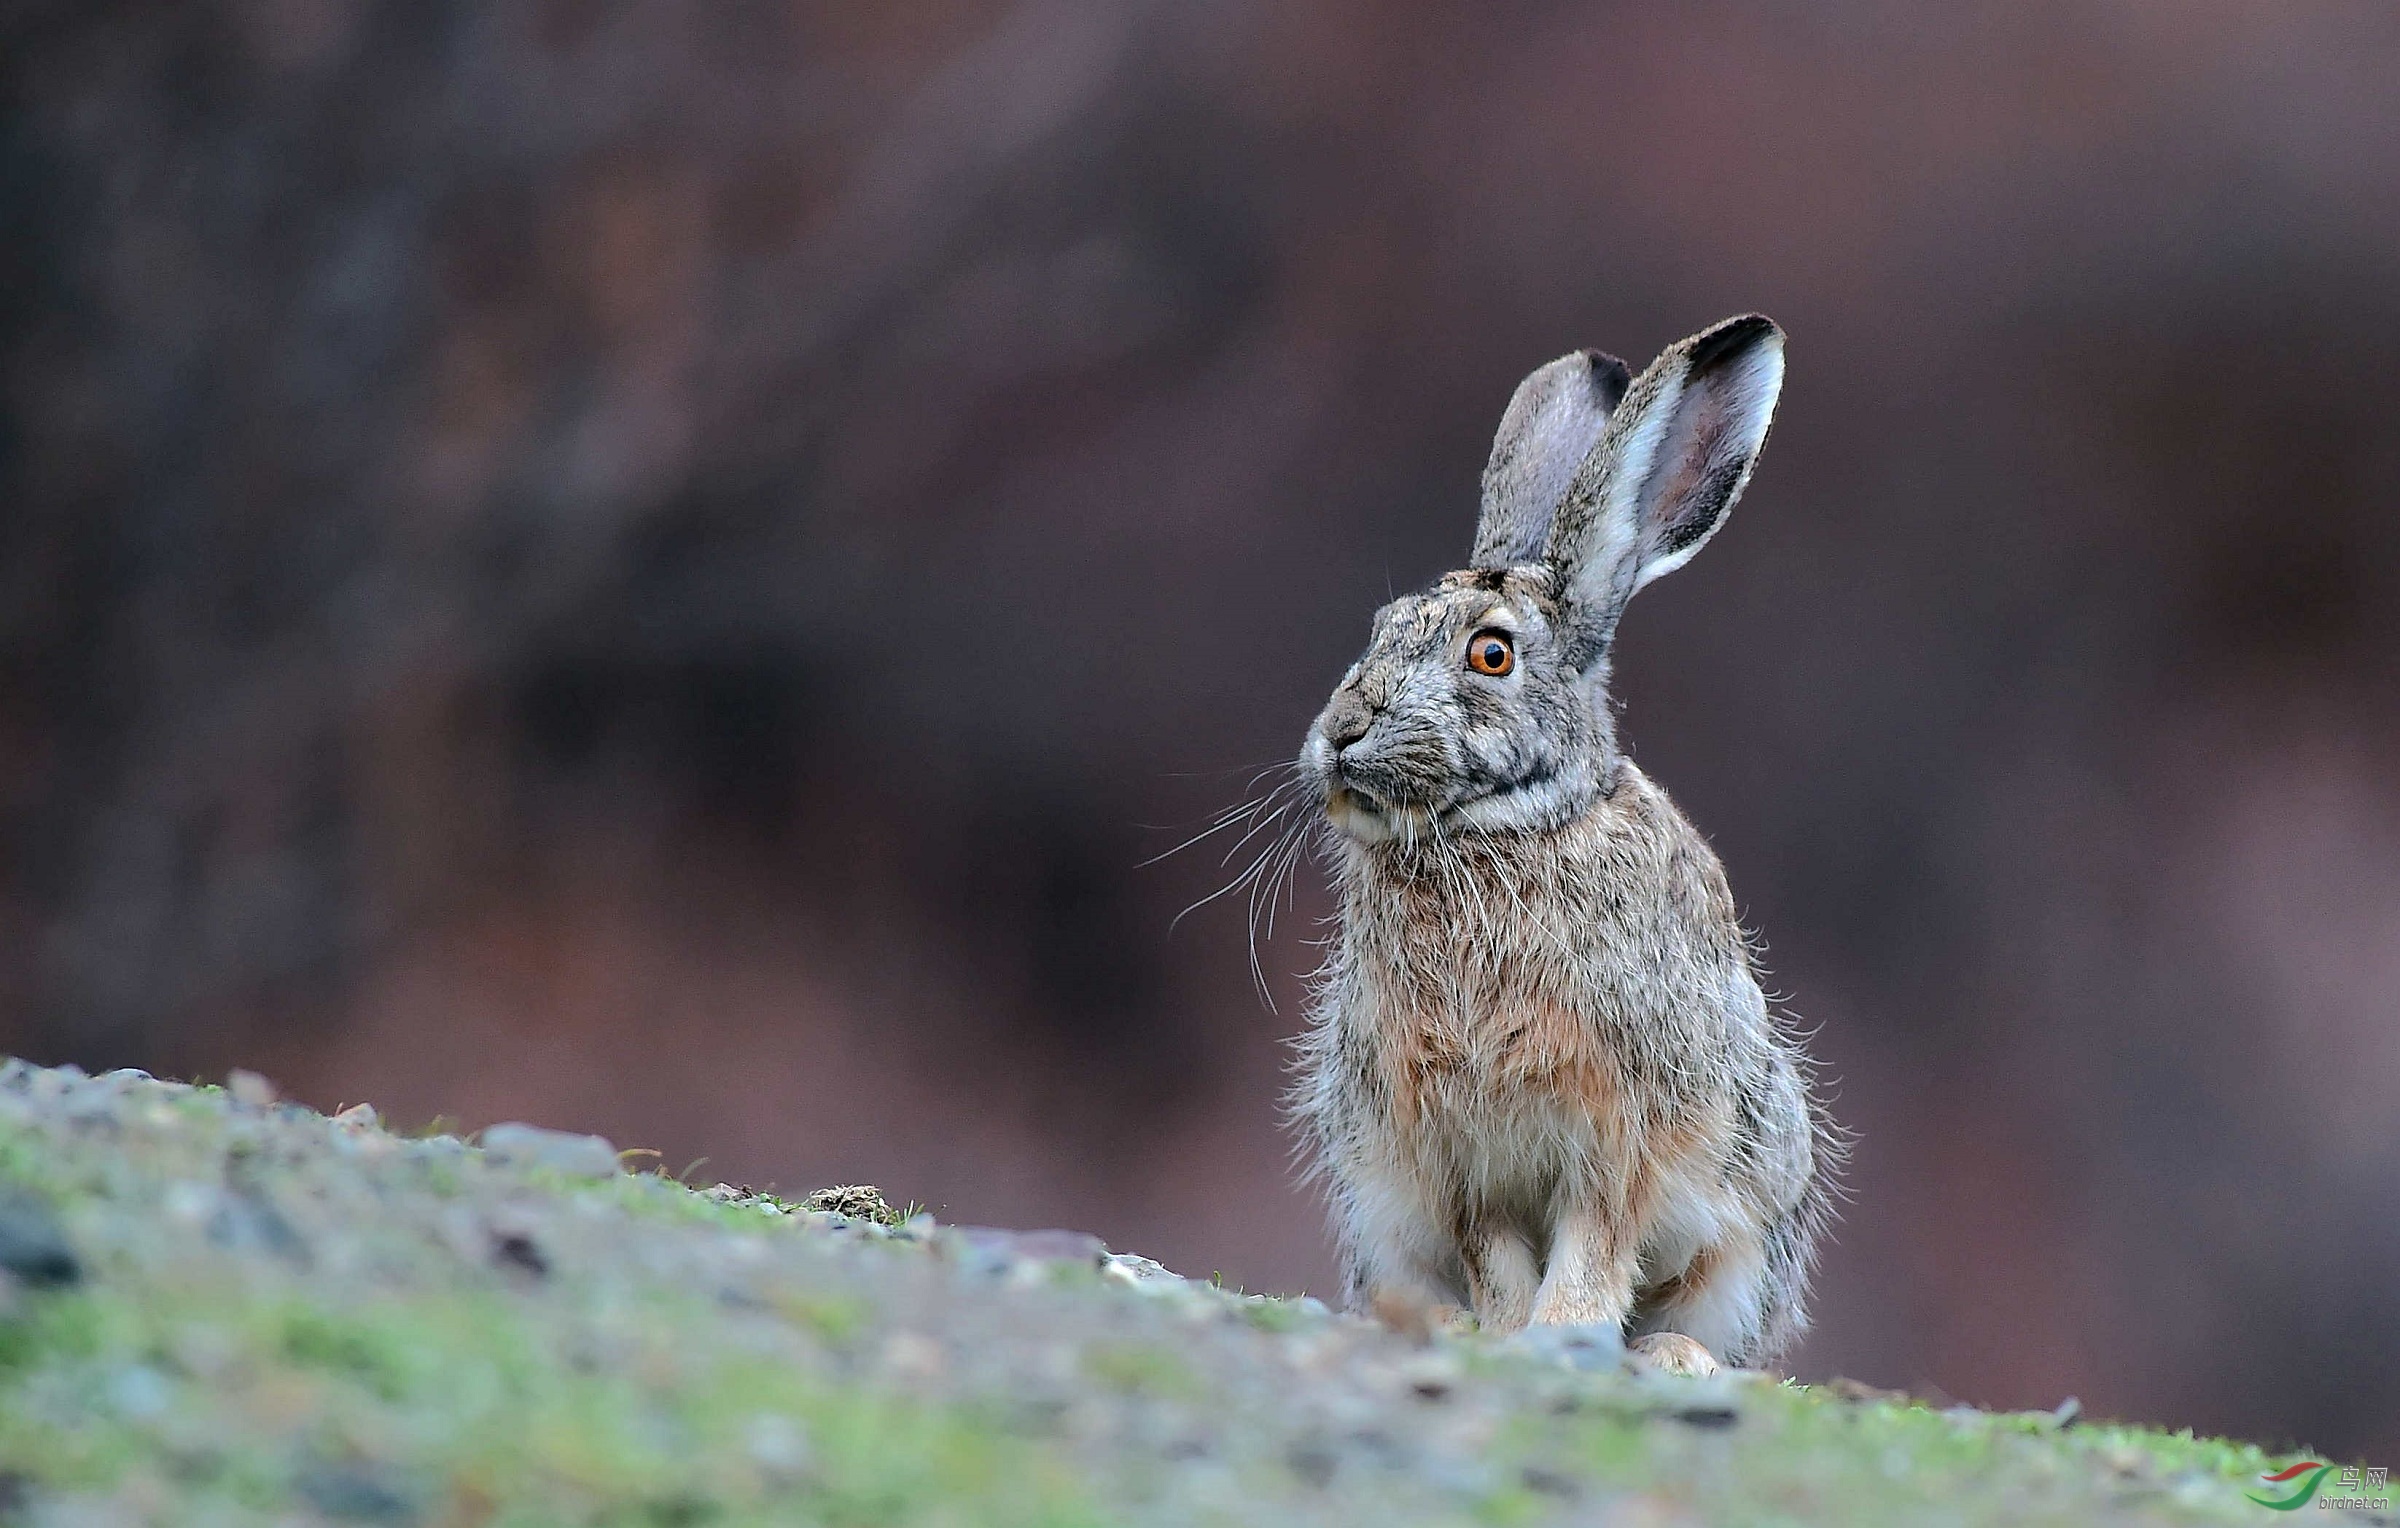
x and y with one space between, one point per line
1490 653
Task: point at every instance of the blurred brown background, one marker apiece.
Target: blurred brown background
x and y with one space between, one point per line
658 568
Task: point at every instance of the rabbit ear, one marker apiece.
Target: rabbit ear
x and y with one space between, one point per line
1674 457
1550 427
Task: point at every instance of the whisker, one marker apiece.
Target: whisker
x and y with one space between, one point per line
1248 871
1287 852
1269 834
1265 821
1241 811
1279 856
1261 768
1231 886
1254 814
1291 876
1231 817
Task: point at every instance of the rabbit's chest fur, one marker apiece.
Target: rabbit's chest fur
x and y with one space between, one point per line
1507 1011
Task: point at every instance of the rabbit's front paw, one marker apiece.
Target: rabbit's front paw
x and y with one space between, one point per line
1415 1316
1674 1353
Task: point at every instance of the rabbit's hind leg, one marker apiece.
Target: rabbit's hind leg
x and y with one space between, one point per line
1715 1301
1398 1253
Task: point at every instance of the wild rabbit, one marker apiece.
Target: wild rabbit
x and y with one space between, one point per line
1540 1077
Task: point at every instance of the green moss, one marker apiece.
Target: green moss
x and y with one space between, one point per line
1140 1369
836 1318
452 1397
198 1380
26 1162
375 1359
1271 1315
662 1357
1798 1455
61 1326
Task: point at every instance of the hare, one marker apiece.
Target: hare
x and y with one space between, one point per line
1539 1075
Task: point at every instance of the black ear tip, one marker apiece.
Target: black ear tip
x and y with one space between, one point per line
1730 338
1610 377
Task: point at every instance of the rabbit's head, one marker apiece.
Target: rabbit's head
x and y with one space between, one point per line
1481 703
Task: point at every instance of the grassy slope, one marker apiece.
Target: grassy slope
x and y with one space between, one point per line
281 1317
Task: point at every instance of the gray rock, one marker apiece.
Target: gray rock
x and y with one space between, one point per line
1131 1269
249 1089
33 1247
246 1220
355 1493
1597 1348
992 1249
559 1151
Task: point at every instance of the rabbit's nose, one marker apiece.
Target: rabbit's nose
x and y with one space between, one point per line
1347 720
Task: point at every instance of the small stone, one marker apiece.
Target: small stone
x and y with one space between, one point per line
913 1356
1596 1347
991 1249
578 1156
351 1141
139 1392
188 1203
33 1246
48 1082
203 1350
359 1117
2125 1459
1431 1376
95 1102
355 1493
518 1252
246 1220
1543 1481
1313 1461
777 1444
1126 1268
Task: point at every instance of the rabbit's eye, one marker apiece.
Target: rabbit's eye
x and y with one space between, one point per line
1490 653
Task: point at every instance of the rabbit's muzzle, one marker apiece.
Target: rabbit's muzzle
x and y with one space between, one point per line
1350 755
1372 768
1347 719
